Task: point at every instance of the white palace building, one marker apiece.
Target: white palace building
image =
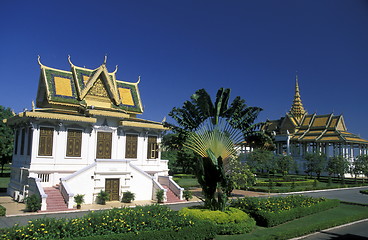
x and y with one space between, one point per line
83 136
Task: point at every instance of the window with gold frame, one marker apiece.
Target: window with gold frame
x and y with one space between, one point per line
46 141
74 143
152 150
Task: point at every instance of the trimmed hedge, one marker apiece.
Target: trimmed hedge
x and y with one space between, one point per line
364 191
232 221
270 218
2 210
201 230
286 184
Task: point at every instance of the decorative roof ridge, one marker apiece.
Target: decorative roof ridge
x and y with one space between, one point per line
134 83
297 109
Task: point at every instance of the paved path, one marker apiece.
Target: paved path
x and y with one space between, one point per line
347 195
351 231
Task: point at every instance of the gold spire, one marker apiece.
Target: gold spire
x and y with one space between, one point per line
297 109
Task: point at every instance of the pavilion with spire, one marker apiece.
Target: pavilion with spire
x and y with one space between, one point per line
298 133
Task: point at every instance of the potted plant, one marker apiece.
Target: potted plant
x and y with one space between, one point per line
102 197
187 195
79 199
160 195
128 197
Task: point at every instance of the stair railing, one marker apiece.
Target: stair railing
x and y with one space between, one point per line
172 185
35 187
67 194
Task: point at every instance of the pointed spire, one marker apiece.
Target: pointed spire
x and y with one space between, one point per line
297 109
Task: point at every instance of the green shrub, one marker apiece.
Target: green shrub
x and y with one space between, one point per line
281 183
187 195
160 195
232 221
200 231
2 211
128 197
79 199
33 203
113 221
102 197
273 211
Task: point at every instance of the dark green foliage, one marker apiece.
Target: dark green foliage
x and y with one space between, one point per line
286 184
79 199
338 165
363 191
2 211
160 196
114 221
229 222
261 160
33 203
360 166
6 138
102 197
273 211
128 197
187 195
200 231
316 163
181 159
284 164
210 170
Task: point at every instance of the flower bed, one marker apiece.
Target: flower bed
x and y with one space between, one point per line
232 221
273 211
125 220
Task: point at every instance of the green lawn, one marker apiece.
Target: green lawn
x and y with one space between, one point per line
4 182
186 182
333 217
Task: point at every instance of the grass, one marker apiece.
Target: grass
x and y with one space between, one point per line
4 182
186 181
342 214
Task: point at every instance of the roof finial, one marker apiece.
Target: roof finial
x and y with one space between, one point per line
116 69
105 60
70 62
139 79
39 60
297 109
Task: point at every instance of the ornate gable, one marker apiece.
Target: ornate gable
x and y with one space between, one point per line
87 88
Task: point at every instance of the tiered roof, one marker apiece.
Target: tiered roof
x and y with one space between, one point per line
312 128
87 88
81 95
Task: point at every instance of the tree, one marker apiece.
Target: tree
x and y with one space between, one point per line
316 163
284 163
239 174
212 130
177 154
6 138
360 166
261 160
337 165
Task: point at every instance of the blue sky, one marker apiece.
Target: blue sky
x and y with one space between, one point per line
253 47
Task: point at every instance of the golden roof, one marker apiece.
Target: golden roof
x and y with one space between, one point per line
297 110
87 88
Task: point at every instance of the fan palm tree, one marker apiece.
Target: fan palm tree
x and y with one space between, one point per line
213 130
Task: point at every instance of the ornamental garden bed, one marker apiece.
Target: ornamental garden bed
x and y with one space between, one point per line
153 220
230 222
273 211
